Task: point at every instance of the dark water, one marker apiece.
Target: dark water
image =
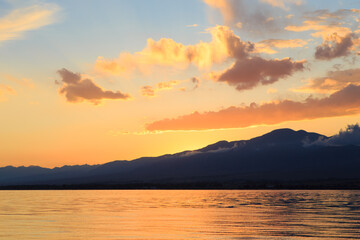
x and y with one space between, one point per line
180 214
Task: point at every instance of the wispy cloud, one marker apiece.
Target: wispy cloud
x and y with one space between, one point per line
14 24
283 4
193 25
332 82
151 91
268 46
25 82
4 91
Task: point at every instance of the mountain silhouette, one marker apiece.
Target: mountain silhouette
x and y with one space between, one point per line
284 157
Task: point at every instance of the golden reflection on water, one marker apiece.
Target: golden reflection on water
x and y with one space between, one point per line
179 214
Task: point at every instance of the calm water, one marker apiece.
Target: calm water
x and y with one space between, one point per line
177 214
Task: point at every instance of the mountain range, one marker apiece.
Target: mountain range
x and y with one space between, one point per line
283 158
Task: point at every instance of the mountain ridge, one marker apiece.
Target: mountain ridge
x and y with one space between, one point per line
281 155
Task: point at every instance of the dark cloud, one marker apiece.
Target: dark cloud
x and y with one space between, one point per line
337 47
69 77
249 69
250 72
196 82
77 89
341 103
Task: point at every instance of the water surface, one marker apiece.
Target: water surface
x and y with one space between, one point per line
179 214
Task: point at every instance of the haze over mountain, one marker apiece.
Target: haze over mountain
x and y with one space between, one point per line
282 155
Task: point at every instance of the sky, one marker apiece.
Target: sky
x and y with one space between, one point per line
88 82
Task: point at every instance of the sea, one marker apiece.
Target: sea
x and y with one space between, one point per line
180 214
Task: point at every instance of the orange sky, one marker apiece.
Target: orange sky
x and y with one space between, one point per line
145 78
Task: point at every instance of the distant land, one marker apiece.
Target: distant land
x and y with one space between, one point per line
281 159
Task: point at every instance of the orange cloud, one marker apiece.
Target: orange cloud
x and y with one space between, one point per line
167 85
324 23
322 30
334 81
23 82
77 89
267 46
6 90
167 52
271 90
151 91
18 21
147 91
341 103
192 25
282 3
249 72
226 7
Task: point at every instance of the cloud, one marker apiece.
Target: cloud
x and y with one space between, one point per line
4 91
351 135
14 24
167 85
196 82
167 52
332 82
249 72
267 46
147 91
77 89
326 15
341 103
335 46
283 3
150 91
271 90
227 8
322 30
23 82
192 25
256 20
334 28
